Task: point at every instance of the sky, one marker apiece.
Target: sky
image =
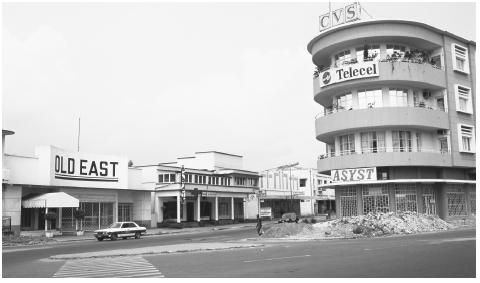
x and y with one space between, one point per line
157 81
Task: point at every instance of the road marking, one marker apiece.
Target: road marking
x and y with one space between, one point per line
275 258
117 267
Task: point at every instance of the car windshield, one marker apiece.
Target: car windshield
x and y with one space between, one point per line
116 225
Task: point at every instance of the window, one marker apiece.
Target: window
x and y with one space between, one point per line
368 53
172 178
402 141
398 50
463 98
160 178
303 182
466 137
398 97
372 142
347 144
345 101
341 57
419 141
125 212
370 98
460 58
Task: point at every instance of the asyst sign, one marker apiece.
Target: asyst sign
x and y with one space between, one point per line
349 72
354 175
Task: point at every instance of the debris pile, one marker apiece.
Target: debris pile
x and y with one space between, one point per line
283 230
369 225
390 223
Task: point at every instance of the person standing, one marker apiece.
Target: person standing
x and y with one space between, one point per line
259 225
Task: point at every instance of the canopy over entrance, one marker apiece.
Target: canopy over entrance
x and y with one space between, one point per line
51 200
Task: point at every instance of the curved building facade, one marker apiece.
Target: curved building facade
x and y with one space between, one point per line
398 118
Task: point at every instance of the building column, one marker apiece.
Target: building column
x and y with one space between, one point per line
233 208
60 215
160 210
198 208
178 208
216 208
46 221
245 208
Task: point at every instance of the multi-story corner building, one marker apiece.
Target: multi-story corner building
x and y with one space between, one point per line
399 117
215 188
295 189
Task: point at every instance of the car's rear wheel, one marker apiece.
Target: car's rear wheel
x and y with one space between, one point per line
114 237
100 239
137 235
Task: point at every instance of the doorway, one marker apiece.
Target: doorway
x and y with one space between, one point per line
190 212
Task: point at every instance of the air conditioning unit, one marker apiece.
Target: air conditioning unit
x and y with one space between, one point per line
426 94
442 132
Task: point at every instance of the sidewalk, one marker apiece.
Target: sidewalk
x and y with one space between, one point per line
88 236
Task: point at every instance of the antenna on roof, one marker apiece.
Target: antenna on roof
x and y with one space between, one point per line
361 8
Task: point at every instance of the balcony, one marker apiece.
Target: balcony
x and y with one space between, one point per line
411 73
334 122
384 157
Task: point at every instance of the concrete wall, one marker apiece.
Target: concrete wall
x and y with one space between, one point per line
23 170
142 208
12 205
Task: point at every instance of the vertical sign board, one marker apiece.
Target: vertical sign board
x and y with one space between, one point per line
76 169
340 16
353 175
265 212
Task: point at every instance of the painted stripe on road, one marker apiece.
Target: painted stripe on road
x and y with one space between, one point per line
131 266
276 258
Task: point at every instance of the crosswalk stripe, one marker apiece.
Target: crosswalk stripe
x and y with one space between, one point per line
133 266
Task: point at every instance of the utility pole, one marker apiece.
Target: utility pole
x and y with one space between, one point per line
78 140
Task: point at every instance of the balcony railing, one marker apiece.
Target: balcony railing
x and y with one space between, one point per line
398 58
335 109
382 150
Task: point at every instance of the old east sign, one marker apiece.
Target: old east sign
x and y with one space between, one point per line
349 72
354 175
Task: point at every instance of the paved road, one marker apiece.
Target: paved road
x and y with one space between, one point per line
445 254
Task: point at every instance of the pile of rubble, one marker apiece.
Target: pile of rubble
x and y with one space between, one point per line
283 230
369 225
390 223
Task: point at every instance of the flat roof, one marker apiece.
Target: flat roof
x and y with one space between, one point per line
219 152
382 21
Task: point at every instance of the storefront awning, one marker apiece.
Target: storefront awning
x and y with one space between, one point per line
49 200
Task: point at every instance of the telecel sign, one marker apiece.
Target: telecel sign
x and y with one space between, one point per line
349 72
340 16
354 175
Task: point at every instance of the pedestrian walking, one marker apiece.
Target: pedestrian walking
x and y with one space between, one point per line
259 226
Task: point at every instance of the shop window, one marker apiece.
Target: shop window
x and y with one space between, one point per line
463 99
370 98
402 141
398 97
405 198
466 137
125 212
303 183
456 203
460 58
224 210
372 142
348 201
375 200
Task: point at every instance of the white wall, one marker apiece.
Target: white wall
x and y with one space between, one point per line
23 170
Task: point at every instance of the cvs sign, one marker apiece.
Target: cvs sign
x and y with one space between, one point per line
340 16
354 175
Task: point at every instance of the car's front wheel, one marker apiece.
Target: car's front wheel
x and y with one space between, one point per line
113 237
137 235
100 239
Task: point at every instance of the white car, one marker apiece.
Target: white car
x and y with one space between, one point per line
120 230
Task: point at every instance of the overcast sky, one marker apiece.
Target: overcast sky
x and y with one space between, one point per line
156 81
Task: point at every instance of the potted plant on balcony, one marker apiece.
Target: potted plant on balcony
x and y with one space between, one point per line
49 217
79 216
